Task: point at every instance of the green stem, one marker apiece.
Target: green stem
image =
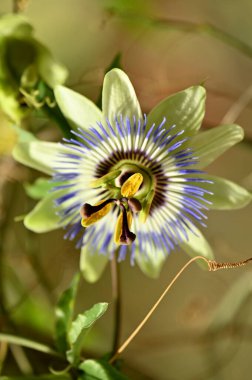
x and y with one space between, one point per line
12 339
116 295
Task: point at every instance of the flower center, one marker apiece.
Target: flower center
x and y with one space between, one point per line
128 188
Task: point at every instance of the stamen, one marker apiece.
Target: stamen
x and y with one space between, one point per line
132 185
134 205
91 214
123 235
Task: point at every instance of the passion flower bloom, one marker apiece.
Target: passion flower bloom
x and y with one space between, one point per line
131 184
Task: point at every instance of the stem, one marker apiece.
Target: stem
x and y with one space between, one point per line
149 314
29 344
116 295
21 359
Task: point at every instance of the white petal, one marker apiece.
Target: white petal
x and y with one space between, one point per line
79 111
209 145
39 155
118 96
227 195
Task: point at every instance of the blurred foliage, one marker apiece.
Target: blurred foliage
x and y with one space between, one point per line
8 136
24 63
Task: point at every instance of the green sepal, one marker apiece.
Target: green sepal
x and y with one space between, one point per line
44 217
39 188
151 262
92 264
197 245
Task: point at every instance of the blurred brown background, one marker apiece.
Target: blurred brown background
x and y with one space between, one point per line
166 46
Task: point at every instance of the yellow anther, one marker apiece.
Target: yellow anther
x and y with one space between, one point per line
87 221
119 226
132 185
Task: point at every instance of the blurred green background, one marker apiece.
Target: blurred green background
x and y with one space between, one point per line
203 329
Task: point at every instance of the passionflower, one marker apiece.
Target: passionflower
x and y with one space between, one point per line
131 184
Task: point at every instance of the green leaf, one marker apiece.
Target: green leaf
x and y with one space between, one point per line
86 320
118 97
64 314
197 246
100 370
185 109
80 327
227 195
209 145
151 263
78 110
92 264
44 217
33 345
39 188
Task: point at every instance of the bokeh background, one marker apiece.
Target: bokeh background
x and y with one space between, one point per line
203 329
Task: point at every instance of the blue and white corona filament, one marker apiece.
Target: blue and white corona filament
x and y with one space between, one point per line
133 186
